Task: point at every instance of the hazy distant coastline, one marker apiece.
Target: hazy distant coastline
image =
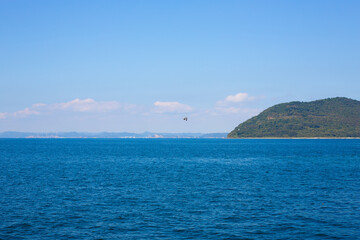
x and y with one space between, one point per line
13 134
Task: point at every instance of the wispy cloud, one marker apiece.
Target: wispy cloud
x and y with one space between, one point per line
238 98
171 107
3 115
237 104
86 105
76 105
25 112
19 114
89 114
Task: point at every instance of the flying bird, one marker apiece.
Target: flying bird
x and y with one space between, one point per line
185 118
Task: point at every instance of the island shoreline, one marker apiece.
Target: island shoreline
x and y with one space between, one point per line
295 138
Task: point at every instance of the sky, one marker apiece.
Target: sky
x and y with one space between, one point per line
135 66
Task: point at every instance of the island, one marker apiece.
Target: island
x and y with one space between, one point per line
327 118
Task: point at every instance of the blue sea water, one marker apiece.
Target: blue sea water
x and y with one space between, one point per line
179 189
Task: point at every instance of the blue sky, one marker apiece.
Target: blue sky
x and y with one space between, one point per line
143 65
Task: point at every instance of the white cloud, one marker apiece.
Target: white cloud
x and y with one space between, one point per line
25 112
3 115
166 107
21 113
237 99
86 105
38 105
236 104
76 105
240 97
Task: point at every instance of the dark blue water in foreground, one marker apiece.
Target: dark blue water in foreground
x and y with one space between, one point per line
179 189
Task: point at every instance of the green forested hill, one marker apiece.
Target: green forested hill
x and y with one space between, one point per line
332 117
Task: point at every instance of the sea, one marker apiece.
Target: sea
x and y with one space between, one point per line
179 189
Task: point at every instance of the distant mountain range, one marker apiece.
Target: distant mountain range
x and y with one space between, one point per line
109 135
328 118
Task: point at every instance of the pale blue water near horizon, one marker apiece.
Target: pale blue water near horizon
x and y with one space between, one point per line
179 189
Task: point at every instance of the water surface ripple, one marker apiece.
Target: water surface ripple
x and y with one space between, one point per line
179 189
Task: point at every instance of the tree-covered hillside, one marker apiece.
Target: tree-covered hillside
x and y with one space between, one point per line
332 117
